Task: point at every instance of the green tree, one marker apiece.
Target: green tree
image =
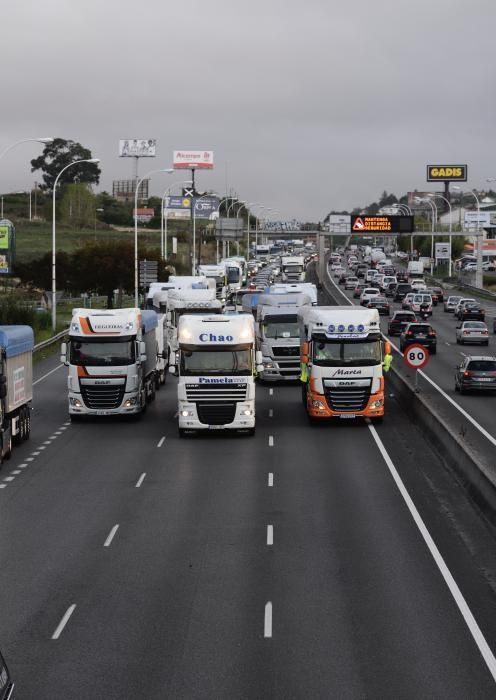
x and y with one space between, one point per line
57 155
78 206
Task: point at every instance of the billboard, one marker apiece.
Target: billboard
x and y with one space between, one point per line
381 224
4 237
177 202
189 160
177 213
4 265
144 215
137 148
474 219
450 173
125 189
205 207
442 251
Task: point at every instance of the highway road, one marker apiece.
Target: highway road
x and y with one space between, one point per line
288 565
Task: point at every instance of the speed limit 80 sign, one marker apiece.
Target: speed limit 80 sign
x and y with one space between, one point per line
416 356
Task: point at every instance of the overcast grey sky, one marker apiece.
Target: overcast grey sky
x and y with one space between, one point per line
307 106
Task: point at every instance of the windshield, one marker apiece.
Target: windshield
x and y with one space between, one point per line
233 274
334 353
118 351
293 268
195 362
482 366
281 329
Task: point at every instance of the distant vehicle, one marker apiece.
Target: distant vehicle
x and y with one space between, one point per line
418 284
338 271
16 386
407 300
451 303
399 320
439 291
402 289
368 294
419 333
476 373
472 332
488 266
470 267
357 292
350 282
370 274
402 255
381 304
415 268
471 312
422 303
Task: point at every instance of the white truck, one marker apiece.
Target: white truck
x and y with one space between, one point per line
415 269
216 368
187 301
112 361
293 268
307 288
341 362
278 336
234 274
16 386
216 274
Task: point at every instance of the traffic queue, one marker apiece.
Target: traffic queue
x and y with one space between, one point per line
411 304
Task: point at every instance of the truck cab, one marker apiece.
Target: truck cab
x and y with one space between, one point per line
293 268
187 301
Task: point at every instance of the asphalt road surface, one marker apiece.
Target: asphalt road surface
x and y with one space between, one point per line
287 565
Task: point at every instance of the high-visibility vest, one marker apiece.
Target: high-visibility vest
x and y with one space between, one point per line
387 362
303 372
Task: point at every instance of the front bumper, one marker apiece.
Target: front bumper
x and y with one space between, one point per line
317 407
188 417
130 405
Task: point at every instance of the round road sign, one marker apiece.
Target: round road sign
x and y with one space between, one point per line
416 356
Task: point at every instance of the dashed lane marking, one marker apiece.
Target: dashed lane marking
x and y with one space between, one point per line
161 441
111 536
271 479
47 374
64 621
271 441
140 480
270 535
268 620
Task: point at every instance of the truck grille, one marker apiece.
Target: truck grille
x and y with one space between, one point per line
216 414
102 397
216 392
347 398
286 350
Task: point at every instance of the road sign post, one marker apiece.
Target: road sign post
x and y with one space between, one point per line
416 356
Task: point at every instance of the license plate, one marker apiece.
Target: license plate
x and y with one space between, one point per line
484 379
348 415
421 335
102 413
216 427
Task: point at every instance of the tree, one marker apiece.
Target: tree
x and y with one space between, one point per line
78 208
57 155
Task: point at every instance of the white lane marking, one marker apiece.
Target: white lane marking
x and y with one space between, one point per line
47 442
161 441
41 447
470 621
53 437
23 466
446 343
271 412
68 423
456 405
47 374
140 480
59 432
29 459
15 472
271 479
111 536
34 454
64 621
3 486
271 392
9 478
271 441
63 427
268 620
270 535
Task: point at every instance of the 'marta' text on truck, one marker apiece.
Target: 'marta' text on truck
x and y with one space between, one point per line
112 360
342 362
16 385
216 366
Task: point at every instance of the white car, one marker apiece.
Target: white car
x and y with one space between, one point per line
351 282
338 271
368 294
472 332
417 285
370 275
488 266
471 267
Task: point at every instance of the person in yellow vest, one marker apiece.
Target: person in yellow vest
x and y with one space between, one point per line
387 362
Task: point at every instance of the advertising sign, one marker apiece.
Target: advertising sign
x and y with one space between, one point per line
137 148
444 173
473 219
125 189
206 206
339 222
200 160
381 224
144 215
4 237
4 265
177 202
442 251
177 213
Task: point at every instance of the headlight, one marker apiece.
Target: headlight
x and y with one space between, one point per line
268 365
247 412
376 404
75 402
318 404
185 414
130 402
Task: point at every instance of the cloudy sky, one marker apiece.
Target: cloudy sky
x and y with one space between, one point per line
308 106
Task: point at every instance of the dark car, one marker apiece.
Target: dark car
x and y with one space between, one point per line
421 333
476 373
390 290
402 276
472 312
381 304
400 319
6 682
361 269
342 277
402 289
439 293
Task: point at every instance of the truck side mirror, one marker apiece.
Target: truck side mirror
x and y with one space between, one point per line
387 348
63 353
142 351
258 358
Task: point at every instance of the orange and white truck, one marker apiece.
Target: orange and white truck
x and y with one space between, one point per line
342 355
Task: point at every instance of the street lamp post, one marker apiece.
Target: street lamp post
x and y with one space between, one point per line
138 183
45 141
480 238
440 196
54 278
163 225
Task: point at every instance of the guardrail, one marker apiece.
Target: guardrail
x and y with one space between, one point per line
54 339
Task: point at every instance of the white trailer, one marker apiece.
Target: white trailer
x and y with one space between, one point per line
187 301
216 368
112 360
16 386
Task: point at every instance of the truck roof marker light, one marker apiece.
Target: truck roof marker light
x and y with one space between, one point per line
341 328
351 328
360 328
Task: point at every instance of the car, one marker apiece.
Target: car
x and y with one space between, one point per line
407 300
342 277
472 312
6 682
422 304
386 281
488 266
476 373
367 294
357 292
451 303
381 304
399 320
463 301
370 274
472 332
433 295
418 284
402 276
439 292
335 266
350 282
402 255
390 290
402 289
470 267
420 333
361 269
338 271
